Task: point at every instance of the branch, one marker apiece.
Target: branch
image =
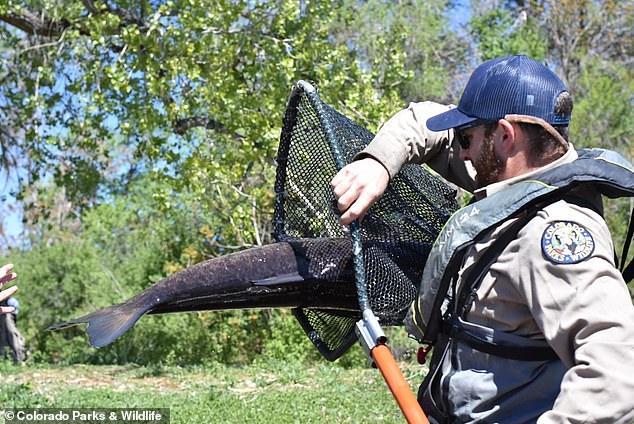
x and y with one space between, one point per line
43 25
33 24
90 7
181 126
127 17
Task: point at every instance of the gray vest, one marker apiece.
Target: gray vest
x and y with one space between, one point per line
479 367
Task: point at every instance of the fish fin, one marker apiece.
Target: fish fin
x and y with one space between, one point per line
279 279
107 324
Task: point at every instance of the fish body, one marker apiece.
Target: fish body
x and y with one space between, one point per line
312 275
315 273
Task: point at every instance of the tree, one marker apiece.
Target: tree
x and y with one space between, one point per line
394 39
189 91
178 103
501 32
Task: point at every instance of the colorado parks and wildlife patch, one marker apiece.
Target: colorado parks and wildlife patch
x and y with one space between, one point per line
565 242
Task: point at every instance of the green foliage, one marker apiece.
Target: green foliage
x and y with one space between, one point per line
500 33
403 44
125 246
603 115
286 340
189 92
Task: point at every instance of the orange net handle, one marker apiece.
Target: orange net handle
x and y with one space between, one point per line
398 385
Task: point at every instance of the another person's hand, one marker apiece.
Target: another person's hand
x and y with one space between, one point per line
6 276
357 186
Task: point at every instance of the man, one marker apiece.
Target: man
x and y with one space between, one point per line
531 320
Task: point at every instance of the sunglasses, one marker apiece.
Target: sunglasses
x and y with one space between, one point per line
463 139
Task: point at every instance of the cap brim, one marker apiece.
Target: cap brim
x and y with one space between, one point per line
451 119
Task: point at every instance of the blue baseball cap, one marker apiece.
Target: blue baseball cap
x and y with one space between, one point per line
513 85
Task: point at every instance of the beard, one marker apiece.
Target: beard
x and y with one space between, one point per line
487 165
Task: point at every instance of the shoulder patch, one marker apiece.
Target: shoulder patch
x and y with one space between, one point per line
566 242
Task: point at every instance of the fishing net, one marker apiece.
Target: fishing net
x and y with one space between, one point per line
396 233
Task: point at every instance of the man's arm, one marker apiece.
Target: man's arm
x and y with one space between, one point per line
403 139
586 314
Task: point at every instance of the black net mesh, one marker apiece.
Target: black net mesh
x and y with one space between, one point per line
396 233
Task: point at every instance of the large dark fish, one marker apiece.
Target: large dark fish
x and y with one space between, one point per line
314 273
309 268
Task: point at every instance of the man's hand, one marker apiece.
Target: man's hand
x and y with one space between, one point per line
6 276
357 186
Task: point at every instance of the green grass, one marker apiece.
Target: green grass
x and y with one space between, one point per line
260 393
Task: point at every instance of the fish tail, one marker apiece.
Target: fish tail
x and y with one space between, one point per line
107 324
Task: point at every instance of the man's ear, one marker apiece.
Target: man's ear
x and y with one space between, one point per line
507 134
